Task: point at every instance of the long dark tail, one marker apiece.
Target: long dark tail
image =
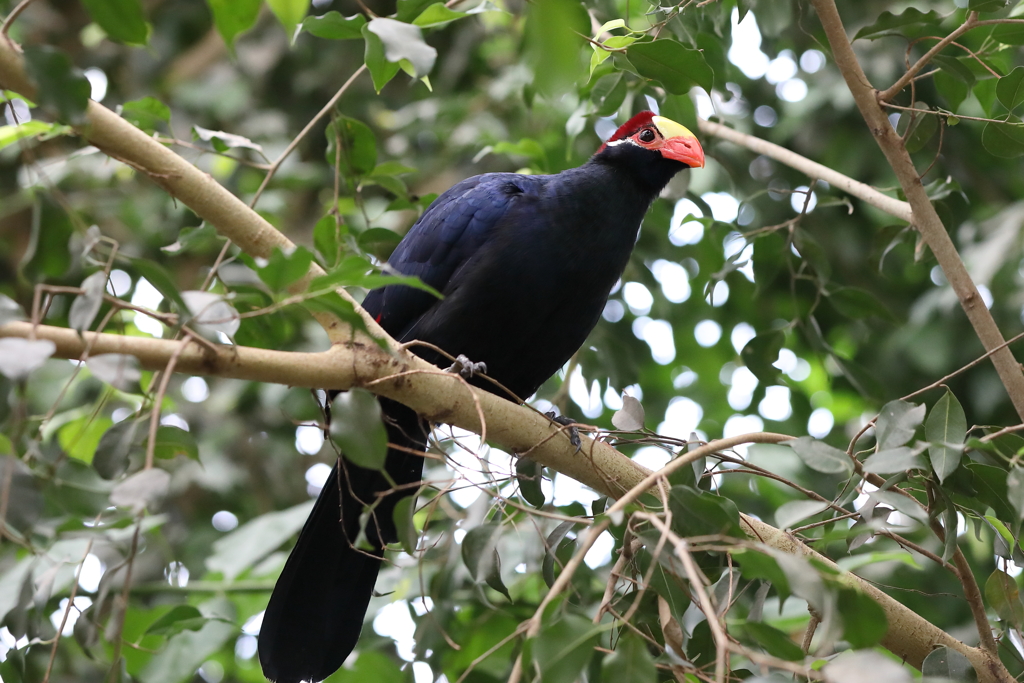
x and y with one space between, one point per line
316 611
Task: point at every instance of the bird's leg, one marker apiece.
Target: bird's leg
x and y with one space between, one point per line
467 368
566 421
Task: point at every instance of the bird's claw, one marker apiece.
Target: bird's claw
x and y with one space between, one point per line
573 431
467 368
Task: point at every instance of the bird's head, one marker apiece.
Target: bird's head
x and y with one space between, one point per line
653 145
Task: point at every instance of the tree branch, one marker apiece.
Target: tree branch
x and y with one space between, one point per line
925 218
890 205
905 79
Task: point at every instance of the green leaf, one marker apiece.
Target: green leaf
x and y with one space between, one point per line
608 93
122 20
946 429
1004 139
379 241
917 126
1015 490
180 618
528 474
357 426
1010 88
760 353
437 14
1009 34
381 71
115 446
290 13
897 422
410 9
564 648
480 553
677 67
146 113
403 41
956 68
11 134
554 546
1002 594
953 90
864 620
759 565
701 513
888 23
630 663
370 665
186 651
945 662
283 269
62 87
857 303
553 41
328 236
174 441
333 26
80 438
193 239
233 17
403 518
358 145
774 641
986 5
821 457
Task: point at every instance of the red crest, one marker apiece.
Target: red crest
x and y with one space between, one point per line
629 127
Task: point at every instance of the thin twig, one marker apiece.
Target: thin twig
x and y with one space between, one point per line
907 77
19 8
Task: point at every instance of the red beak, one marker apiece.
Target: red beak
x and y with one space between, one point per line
680 144
684 149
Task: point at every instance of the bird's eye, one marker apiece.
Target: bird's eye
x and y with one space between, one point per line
646 135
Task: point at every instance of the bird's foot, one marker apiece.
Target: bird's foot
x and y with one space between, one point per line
573 431
467 368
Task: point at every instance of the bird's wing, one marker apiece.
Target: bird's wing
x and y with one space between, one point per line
447 235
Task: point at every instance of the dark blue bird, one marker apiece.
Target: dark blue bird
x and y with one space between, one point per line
525 264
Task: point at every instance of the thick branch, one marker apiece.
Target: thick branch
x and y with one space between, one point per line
925 218
443 397
893 207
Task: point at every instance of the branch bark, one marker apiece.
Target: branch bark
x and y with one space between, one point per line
926 219
439 396
893 207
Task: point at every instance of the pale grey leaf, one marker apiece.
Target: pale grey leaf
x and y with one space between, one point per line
897 422
404 41
19 357
141 490
211 314
119 370
86 305
630 417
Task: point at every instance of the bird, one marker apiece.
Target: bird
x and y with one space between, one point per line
525 264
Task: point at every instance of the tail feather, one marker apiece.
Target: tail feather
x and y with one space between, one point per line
316 612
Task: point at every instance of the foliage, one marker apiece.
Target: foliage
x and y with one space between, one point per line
756 299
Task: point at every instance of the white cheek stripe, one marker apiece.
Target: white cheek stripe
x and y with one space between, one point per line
616 143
